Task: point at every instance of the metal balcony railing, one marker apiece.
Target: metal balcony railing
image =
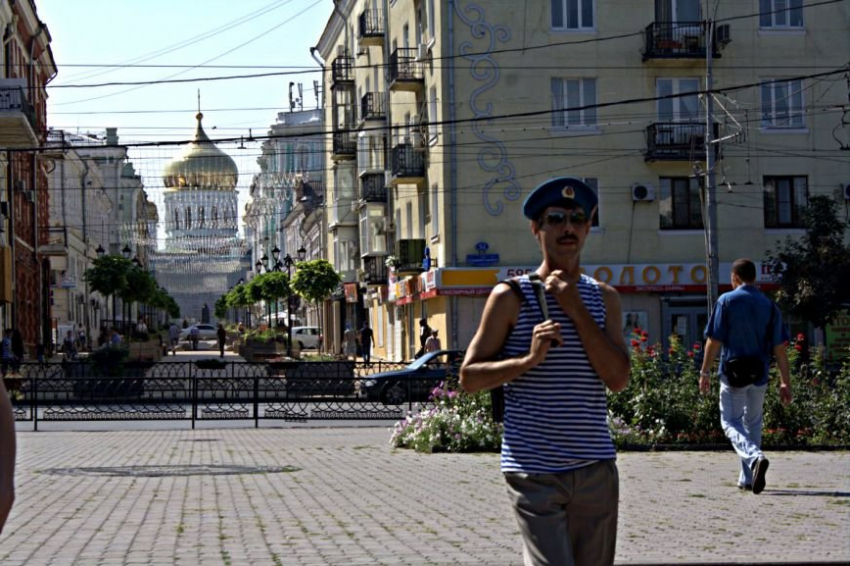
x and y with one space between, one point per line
342 69
675 141
373 187
405 66
376 271
370 25
410 255
344 144
13 98
373 106
672 40
407 161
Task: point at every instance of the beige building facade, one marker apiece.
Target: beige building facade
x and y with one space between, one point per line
483 101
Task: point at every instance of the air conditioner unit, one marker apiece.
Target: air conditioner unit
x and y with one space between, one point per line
422 52
722 35
30 196
846 188
642 192
362 51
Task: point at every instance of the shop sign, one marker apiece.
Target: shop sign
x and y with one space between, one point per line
429 280
68 282
350 292
655 277
838 336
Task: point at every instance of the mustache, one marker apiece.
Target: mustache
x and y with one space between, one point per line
567 238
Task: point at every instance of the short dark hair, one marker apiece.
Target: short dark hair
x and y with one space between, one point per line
745 269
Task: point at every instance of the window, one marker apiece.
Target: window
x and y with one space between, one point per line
572 14
782 104
567 96
785 199
432 114
434 210
679 203
680 108
780 14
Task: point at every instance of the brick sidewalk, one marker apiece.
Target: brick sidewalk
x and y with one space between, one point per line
341 496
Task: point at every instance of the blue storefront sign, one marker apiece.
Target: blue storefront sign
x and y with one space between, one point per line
482 260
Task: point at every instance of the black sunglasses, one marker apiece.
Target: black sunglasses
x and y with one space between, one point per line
576 218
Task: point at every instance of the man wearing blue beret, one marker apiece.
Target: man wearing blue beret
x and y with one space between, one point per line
554 353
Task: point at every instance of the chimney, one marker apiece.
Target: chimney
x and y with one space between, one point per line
111 136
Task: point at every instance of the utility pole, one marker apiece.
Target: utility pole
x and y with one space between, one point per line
712 261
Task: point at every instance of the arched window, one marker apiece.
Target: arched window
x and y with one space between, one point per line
188 218
200 217
214 218
176 219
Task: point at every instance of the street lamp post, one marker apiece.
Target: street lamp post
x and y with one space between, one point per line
289 262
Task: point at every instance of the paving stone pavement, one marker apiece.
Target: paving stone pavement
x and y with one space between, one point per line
342 496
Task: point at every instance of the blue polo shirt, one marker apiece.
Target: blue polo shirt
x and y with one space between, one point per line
739 322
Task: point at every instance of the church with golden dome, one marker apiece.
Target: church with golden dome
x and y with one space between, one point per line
203 255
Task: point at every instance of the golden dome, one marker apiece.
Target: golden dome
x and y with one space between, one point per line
201 165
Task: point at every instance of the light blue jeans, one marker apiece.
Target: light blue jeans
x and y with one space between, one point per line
742 415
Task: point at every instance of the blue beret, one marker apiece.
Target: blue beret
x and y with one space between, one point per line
567 192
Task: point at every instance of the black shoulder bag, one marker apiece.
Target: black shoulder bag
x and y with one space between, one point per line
497 394
747 370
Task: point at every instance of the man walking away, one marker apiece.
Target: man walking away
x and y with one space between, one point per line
174 335
195 336
555 346
366 337
432 344
222 338
745 328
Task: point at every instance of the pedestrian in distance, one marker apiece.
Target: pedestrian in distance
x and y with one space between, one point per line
69 346
195 336
349 340
366 338
17 348
7 357
424 334
745 328
555 346
221 333
174 336
432 344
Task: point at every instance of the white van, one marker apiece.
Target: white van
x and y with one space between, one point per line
306 336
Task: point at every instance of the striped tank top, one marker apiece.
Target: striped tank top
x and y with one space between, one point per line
556 414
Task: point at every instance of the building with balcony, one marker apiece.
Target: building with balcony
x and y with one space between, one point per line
27 67
486 101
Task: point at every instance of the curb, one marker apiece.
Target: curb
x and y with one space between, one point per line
728 448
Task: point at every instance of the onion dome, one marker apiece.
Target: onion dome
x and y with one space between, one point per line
201 166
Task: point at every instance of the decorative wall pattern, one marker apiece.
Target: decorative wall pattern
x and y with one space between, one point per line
493 158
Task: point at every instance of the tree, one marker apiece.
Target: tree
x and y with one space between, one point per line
814 271
316 280
108 275
220 307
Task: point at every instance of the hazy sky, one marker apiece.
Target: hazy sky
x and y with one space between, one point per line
274 36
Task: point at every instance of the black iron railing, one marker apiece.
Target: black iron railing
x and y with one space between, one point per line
215 390
370 24
407 161
344 144
404 65
675 141
14 98
376 270
373 106
676 40
373 187
342 69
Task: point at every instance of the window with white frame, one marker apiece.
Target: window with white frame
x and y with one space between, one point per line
782 104
572 14
781 14
569 96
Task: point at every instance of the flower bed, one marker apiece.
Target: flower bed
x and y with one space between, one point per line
662 405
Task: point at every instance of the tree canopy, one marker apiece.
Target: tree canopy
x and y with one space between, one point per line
315 280
814 271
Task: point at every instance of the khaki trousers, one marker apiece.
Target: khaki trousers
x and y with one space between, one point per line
569 518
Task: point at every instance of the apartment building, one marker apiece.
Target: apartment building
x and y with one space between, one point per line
26 66
443 116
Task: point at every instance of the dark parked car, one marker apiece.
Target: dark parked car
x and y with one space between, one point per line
413 383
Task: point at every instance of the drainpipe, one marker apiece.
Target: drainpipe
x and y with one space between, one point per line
83 191
453 165
11 313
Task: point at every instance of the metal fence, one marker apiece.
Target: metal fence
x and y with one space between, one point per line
215 390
